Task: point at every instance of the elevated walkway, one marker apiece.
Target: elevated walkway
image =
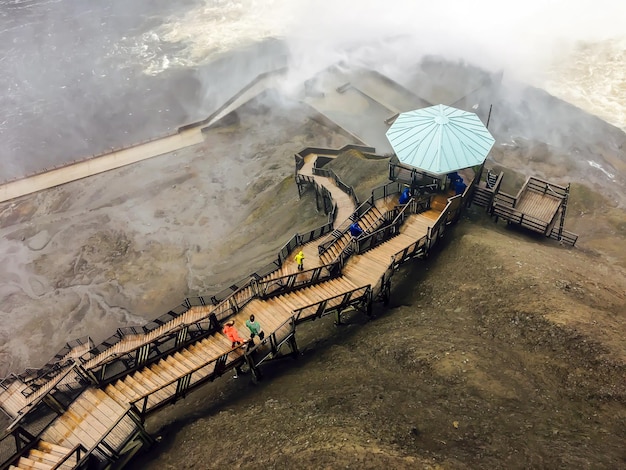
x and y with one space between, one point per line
540 206
95 416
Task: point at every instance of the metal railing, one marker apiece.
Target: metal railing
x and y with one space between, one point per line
398 215
326 306
76 454
275 286
271 344
178 387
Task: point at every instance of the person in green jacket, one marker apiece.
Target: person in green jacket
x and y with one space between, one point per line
255 328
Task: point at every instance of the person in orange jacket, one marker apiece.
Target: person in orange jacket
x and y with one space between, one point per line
232 334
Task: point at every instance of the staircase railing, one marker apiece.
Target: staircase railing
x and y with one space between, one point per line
178 387
269 346
326 306
400 213
281 285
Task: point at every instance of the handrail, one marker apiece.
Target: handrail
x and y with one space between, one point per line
77 449
38 398
273 341
97 445
288 282
20 440
371 240
321 305
144 397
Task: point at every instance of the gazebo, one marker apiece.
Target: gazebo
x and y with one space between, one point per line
432 144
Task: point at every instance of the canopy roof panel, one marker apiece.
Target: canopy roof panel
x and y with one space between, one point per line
440 139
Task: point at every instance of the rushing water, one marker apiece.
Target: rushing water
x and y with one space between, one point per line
83 77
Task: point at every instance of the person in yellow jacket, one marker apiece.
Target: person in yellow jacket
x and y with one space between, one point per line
300 260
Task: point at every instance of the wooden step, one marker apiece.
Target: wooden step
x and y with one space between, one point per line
47 458
113 392
177 367
130 394
53 449
25 462
136 384
149 380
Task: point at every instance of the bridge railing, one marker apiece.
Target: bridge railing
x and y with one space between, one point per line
70 381
15 444
398 215
349 190
103 451
415 249
544 187
76 456
180 386
268 347
380 192
280 285
326 306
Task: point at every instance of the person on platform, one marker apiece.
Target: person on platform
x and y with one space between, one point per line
231 333
300 260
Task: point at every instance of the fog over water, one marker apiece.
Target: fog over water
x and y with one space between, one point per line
83 77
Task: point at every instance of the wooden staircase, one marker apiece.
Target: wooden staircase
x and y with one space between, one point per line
103 420
369 222
45 457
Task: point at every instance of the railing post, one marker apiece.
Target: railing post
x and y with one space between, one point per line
181 337
142 354
254 287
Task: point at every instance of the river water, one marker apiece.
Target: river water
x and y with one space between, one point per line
80 78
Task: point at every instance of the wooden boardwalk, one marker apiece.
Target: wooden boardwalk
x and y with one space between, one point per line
100 421
540 206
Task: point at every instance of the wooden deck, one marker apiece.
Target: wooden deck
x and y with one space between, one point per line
100 416
540 206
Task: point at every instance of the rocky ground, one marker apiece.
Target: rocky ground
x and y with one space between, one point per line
124 247
502 350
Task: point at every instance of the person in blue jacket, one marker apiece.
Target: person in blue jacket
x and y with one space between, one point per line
405 196
355 230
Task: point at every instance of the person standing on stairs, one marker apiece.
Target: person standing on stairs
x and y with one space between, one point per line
300 260
355 230
255 329
232 334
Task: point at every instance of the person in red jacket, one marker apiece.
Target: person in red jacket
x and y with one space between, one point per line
232 334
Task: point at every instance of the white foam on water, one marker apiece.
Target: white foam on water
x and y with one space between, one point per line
593 164
575 52
592 76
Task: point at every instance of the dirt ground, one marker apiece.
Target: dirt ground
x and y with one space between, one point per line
124 247
502 350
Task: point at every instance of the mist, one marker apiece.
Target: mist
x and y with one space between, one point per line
83 79
522 38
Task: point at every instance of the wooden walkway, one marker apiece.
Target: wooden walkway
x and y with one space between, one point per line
99 421
540 206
